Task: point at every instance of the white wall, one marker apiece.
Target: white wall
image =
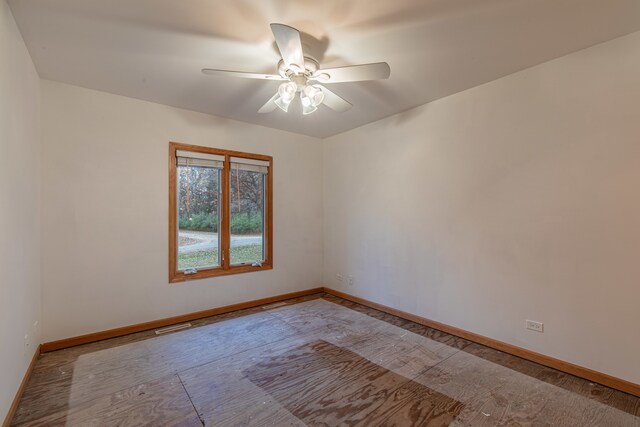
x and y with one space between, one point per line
105 210
518 199
19 208
514 200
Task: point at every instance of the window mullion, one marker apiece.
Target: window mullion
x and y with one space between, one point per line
225 238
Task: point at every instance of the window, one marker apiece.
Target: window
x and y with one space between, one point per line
220 217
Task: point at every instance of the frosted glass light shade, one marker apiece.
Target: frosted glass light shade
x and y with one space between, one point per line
315 94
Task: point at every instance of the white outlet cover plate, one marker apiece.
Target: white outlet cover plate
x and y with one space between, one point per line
534 326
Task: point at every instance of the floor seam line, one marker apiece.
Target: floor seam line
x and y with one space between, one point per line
240 352
457 350
217 359
433 366
189 397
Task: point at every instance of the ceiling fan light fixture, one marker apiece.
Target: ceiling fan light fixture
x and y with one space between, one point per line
282 103
306 101
315 94
287 91
308 109
310 97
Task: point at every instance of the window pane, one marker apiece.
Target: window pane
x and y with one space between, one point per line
198 217
247 199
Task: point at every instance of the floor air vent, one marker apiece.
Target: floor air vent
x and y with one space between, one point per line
172 328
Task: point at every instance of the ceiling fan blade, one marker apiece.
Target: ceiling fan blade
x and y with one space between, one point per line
289 44
334 101
242 74
270 105
353 73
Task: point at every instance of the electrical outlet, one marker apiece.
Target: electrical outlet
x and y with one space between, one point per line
534 326
339 277
350 280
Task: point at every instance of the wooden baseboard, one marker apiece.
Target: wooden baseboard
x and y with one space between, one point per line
570 368
16 400
126 330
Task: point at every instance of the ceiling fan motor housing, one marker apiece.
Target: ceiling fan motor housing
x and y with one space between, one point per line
310 67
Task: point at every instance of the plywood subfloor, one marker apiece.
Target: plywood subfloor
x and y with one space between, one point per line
317 361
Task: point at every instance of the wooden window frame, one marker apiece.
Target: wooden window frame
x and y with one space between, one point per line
225 233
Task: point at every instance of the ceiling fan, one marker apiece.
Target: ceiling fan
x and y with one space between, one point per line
302 75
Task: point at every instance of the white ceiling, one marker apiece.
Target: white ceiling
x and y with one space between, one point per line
154 49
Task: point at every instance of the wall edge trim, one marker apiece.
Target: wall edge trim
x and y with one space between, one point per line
16 400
